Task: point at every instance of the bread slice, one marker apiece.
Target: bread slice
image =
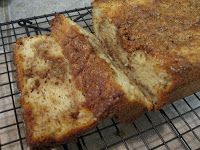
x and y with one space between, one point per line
53 107
157 44
107 89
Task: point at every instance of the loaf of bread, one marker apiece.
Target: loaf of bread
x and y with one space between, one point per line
68 84
155 42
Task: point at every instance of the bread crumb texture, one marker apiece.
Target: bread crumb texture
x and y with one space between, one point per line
53 106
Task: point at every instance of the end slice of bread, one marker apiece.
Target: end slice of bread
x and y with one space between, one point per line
53 107
159 50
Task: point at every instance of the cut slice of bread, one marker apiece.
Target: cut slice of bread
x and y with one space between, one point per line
157 44
107 89
53 107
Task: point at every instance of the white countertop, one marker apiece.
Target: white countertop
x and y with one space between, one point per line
16 9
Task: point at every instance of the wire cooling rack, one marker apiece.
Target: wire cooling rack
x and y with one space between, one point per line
177 126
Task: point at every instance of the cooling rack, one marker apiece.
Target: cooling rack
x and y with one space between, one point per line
176 126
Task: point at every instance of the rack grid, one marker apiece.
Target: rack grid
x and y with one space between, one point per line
176 126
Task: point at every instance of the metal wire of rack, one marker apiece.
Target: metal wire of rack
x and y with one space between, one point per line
177 126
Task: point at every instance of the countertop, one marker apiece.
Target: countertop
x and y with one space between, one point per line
16 9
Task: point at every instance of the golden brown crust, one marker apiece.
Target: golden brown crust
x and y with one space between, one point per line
157 29
17 60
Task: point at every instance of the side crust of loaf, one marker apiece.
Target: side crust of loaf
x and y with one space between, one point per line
18 65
